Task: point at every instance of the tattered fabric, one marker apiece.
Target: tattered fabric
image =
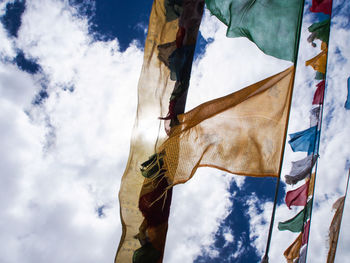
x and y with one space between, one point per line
297 197
154 91
334 228
347 103
292 252
319 62
272 25
296 223
319 93
321 6
304 141
241 133
301 169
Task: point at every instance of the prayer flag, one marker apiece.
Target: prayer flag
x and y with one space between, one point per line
315 116
168 30
301 169
296 223
347 103
241 133
292 252
324 6
306 231
319 62
334 228
272 25
320 30
319 93
302 256
311 184
304 141
297 197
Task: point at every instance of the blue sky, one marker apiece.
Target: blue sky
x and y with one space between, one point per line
68 79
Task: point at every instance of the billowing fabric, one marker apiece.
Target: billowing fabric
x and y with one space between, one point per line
334 228
272 25
319 93
142 242
319 62
296 223
297 197
304 141
292 252
321 6
347 103
320 30
306 231
301 169
241 133
315 116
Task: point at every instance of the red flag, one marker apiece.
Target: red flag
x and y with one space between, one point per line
297 197
305 236
324 6
319 93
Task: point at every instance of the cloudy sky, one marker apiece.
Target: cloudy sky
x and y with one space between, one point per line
68 80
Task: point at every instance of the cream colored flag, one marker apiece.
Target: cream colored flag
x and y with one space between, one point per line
242 133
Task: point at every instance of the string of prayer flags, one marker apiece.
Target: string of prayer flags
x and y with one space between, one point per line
319 62
296 223
334 228
304 141
321 6
319 93
301 169
292 252
168 54
262 21
347 103
297 197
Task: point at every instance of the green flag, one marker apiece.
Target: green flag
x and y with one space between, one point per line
273 25
296 223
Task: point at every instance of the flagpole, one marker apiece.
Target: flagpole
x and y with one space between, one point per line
265 259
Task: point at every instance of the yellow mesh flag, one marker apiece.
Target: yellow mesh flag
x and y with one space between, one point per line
334 228
319 63
241 133
292 252
154 90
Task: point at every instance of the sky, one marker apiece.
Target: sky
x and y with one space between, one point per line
68 97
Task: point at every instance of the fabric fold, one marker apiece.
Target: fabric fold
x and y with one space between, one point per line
319 62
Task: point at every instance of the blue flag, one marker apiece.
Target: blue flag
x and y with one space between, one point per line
347 103
304 141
